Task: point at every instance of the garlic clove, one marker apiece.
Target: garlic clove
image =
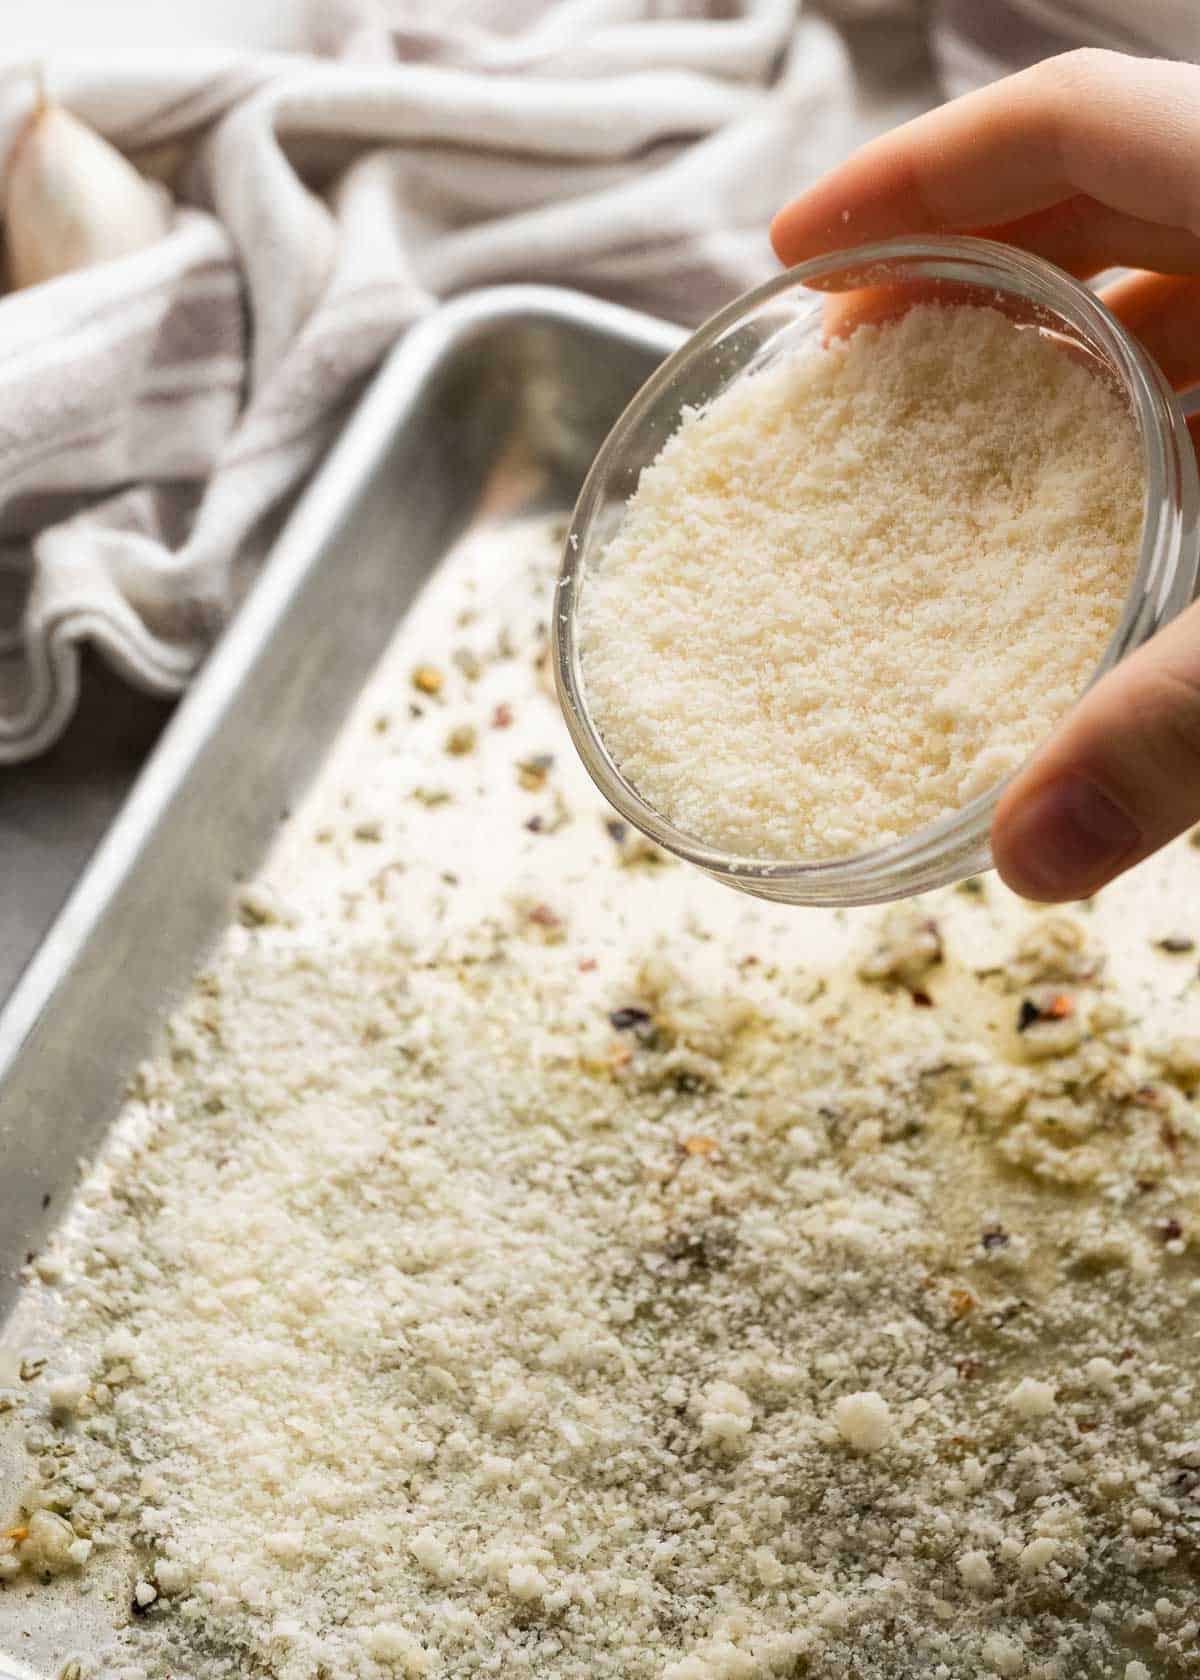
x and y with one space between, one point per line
71 199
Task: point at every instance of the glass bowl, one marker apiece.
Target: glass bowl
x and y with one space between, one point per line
778 318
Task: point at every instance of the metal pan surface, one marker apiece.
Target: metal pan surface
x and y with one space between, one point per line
490 411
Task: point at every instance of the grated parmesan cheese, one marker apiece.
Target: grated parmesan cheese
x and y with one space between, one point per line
976 1571
1037 1554
859 587
1032 1399
864 1421
454 1303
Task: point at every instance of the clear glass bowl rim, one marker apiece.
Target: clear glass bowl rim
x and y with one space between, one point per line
913 862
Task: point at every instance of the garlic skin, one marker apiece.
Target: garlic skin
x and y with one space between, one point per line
71 199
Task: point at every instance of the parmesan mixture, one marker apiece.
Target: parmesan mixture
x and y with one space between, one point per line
859 587
522 1258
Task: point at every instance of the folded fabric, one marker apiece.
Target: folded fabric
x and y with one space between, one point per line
154 409
976 41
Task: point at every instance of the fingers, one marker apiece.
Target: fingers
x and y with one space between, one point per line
1084 236
845 311
1163 311
1017 148
1117 780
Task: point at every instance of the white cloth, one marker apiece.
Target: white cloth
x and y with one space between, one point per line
154 409
976 41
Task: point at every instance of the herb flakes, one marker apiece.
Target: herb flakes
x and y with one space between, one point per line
427 679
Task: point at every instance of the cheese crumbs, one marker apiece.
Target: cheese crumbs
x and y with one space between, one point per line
663 1300
858 588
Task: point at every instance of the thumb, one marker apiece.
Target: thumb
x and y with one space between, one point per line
1119 777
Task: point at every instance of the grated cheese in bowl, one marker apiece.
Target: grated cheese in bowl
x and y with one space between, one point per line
857 588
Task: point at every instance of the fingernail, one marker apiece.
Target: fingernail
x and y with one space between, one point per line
1066 841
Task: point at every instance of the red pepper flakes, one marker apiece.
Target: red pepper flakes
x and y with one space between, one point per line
542 916
588 965
1170 1230
502 717
962 1302
1058 1008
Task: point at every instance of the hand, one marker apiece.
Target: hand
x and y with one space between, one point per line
1090 160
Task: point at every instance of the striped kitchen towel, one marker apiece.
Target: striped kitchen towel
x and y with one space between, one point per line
154 409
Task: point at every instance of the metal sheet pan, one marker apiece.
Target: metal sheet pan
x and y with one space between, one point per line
489 414
489 411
